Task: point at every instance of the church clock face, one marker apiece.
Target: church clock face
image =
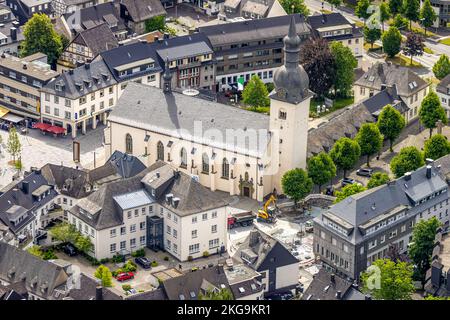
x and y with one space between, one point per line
281 93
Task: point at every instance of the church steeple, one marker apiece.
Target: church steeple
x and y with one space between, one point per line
167 78
291 80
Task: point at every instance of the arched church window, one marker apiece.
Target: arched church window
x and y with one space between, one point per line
225 168
128 144
205 163
160 151
183 157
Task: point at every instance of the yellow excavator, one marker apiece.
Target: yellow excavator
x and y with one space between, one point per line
269 210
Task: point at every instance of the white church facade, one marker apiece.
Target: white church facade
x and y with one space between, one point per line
226 148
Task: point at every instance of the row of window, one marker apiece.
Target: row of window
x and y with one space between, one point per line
334 258
123 244
194 233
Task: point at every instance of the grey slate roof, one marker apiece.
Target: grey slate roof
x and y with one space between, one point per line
98 38
141 10
380 99
180 288
444 85
390 74
87 290
151 109
81 75
158 294
323 288
253 30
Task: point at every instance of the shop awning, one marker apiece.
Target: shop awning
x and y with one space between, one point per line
56 129
3 111
41 126
12 118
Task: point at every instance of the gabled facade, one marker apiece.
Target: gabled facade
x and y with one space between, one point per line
443 91
137 12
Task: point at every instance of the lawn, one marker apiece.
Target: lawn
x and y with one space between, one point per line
339 103
445 41
369 48
428 50
404 61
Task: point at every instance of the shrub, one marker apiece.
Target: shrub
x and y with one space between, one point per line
205 254
126 287
49 255
118 258
130 266
166 258
138 253
104 260
154 264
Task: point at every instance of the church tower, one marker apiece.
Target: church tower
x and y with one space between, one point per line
289 111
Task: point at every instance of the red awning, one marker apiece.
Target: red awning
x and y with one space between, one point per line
42 126
55 129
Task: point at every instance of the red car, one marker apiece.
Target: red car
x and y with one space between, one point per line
125 276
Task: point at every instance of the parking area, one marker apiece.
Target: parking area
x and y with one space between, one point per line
184 17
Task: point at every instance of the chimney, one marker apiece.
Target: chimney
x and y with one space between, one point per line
254 238
407 176
429 161
25 187
332 278
428 172
175 202
98 293
158 175
13 33
70 71
339 294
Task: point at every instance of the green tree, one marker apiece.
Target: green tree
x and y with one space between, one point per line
335 3
392 41
155 24
385 14
321 169
437 146
400 22
348 191
362 10
255 93
431 111
13 146
370 140
389 280
442 67
371 35
429 297
378 179
413 45
391 123
40 36
345 153
83 243
222 294
411 10
409 159
64 41
319 64
396 6
296 184
345 65
427 15
422 244
35 250
104 274
295 6
64 232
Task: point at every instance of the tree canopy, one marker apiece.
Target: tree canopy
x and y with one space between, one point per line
396 6
348 191
385 13
255 93
392 41
104 275
321 169
411 10
388 280
400 22
442 67
369 139
431 111
371 35
13 145
409 159
413 45
362 9
40 36
345 65
295 6
437 146
422 244
391 123
156 23
345 153
378 179
318 62
66 232
427 15
296 184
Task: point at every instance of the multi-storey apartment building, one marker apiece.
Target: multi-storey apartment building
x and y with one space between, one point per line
411 88
352 234
442 9
24 9
20 81
335 27
160 208
250 47
79 98
62 7
86 45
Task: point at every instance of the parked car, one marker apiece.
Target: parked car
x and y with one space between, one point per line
347 181
143 262
125 276
365 172
70 250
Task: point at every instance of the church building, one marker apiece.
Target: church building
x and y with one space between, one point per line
225 148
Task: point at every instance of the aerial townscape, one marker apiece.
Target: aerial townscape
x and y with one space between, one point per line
224 150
